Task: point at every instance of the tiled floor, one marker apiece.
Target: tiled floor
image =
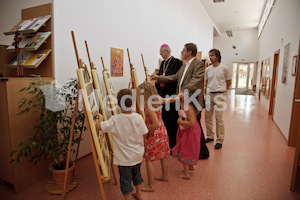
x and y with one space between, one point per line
255 163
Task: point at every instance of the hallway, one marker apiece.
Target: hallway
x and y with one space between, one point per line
254 163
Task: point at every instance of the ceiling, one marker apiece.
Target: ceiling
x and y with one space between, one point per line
234 14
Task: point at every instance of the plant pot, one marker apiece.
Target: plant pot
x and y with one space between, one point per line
59 176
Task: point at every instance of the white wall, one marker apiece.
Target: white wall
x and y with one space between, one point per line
140 25
246 46
10 14
282 27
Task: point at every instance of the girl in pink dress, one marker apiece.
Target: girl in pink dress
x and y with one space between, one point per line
157 140
187 146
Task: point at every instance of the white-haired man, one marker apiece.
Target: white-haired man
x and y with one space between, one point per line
169 66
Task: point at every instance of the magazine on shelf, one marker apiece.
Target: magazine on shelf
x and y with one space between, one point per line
18 25
32 42
25 24
25 56
28 58
29 24
34 59
38 22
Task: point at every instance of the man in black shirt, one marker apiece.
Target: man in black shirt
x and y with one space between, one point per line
169 66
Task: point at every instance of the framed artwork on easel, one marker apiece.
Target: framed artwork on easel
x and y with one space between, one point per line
90 107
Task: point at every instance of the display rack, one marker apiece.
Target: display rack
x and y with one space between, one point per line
16 128
28 43
32 38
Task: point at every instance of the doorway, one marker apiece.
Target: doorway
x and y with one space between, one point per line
274 82
242 75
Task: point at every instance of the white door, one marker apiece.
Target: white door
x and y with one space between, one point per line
242 75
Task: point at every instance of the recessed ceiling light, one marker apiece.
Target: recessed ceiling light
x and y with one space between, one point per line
229 33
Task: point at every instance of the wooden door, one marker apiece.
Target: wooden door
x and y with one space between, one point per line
274 83
260 80
295 125
295 119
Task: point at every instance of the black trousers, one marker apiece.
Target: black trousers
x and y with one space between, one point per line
203 149
170 121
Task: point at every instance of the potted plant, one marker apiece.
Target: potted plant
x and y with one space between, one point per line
50 140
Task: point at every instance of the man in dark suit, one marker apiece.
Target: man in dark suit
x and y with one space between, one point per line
191 74
169 66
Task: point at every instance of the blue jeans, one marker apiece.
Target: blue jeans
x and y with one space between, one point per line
128 174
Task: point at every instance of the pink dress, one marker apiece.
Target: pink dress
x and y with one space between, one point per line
157 143
187 148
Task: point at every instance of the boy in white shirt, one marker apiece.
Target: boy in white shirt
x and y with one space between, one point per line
128 130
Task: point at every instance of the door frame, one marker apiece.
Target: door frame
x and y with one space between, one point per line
294 136
274 82
261 72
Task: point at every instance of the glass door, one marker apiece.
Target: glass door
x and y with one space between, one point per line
242 75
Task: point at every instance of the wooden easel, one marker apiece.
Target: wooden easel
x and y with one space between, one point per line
145 69
134 84
102 108
80 66
106 78
148 79
97 88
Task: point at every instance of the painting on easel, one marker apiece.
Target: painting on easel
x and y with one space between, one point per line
99 95
91 106
117 64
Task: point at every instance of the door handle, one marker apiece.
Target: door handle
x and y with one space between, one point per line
297 100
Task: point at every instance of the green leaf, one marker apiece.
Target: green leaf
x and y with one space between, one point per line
22 144
22 89
13 152
19 159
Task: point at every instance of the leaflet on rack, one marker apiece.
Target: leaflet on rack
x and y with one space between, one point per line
30 24
32 41
28 58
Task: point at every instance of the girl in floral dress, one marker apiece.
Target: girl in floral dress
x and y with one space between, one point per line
187 146
157 141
